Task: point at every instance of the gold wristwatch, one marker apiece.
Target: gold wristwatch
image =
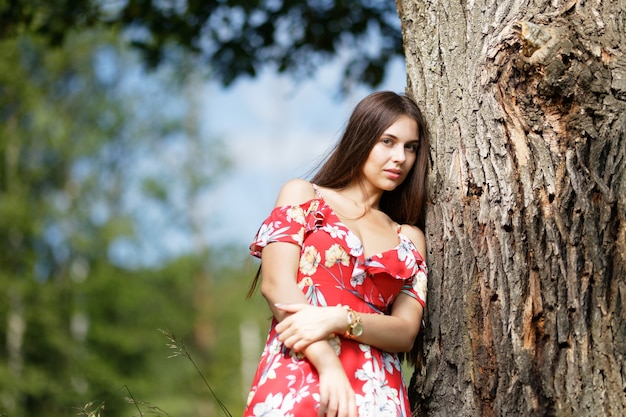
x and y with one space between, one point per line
355 325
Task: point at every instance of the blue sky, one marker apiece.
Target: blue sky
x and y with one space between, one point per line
274 129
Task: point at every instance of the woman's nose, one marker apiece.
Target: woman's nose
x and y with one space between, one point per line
399 154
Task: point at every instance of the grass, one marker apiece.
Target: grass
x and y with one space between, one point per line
96 409
179 349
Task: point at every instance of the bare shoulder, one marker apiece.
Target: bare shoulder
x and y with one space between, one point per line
417 237
294 192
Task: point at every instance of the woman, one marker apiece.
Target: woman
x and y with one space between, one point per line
343 271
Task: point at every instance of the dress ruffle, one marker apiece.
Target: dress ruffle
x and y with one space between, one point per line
333 270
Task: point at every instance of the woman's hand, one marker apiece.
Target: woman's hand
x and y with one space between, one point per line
337 397
308 324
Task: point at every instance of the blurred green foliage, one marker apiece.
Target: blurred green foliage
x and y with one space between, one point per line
96 190
235 38
79 321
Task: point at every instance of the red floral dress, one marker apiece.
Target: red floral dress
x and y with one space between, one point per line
332 271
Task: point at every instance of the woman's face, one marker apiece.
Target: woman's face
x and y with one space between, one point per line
393 155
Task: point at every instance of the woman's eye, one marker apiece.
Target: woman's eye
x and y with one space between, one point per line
386 141
412 147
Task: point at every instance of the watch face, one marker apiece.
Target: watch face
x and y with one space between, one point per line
357 329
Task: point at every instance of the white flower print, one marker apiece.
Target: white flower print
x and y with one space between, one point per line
313 294
336 254
275 346
391 362
288 405
250 396
302 390
264 233
296 213
305 282
334 231
301 393
269 232
358 276
271 407
372 262
270 372
378 398
298 237
420 285
309 260
353 242
291 379
286 385
405 253
366 349
335 343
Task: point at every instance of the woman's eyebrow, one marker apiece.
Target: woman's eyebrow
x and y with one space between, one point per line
394 137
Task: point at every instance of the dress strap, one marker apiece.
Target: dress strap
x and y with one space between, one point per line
317 190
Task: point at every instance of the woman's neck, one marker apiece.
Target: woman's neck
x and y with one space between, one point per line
360 196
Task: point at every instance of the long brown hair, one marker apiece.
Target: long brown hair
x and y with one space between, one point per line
369 120
406 203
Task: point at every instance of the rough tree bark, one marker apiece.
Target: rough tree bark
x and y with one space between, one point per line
526 231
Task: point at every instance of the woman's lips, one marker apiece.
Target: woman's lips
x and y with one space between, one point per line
394 173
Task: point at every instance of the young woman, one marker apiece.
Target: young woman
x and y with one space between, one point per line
343 271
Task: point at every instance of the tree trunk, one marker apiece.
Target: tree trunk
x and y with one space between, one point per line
526 232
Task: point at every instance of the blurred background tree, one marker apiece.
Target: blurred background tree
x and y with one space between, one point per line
98 177
230 39
81 311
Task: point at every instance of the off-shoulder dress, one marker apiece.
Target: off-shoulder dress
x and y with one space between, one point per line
334 271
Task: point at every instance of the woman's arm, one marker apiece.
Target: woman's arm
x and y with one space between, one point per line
280 260
395 332
279 269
